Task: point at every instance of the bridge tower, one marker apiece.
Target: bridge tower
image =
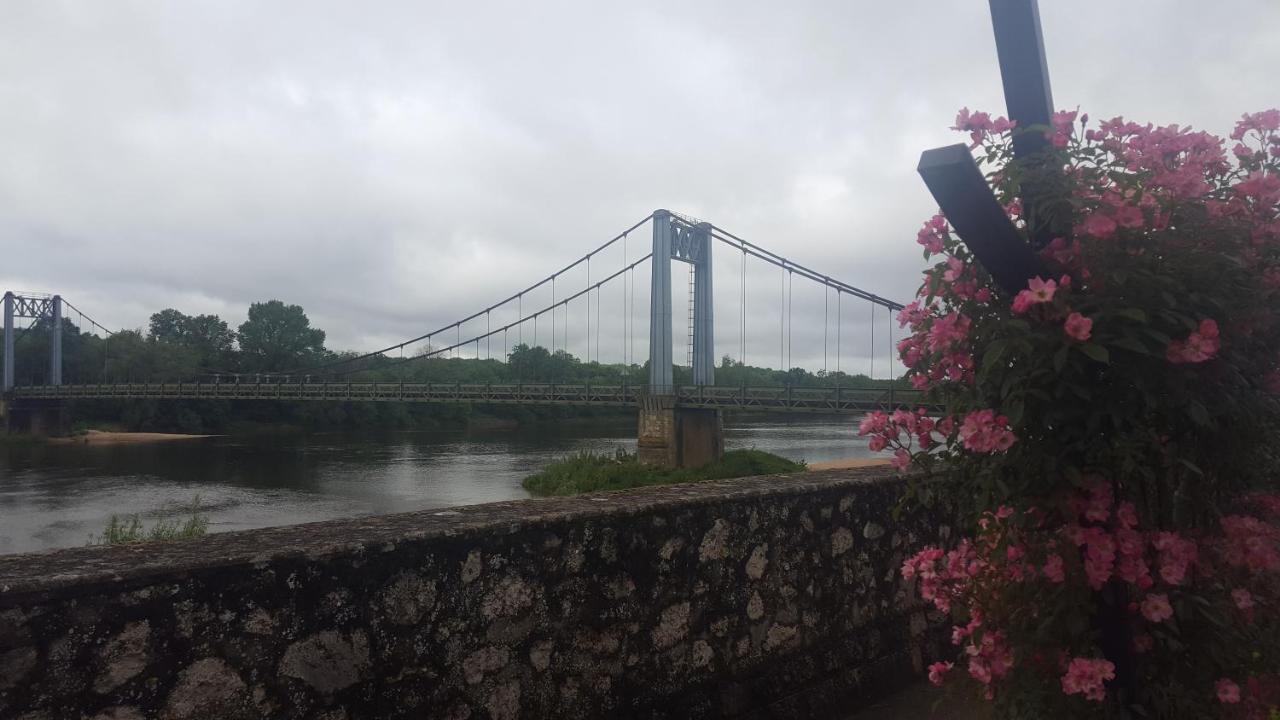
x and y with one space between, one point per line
670 435
39 417
35 307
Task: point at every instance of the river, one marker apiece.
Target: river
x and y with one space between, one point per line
54 496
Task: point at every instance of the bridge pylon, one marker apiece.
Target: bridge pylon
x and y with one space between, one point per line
35 307
670 435
675 239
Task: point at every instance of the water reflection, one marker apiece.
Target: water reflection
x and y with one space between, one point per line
58 495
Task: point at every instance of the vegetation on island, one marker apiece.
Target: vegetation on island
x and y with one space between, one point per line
174 524
590 472
278 338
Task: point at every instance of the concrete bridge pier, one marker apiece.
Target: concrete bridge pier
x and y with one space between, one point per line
675 437
46 418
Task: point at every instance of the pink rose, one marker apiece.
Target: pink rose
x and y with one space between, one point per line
1078 327
1228 692
938 672
1156 608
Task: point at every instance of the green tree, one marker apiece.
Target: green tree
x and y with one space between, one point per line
278 337
200 342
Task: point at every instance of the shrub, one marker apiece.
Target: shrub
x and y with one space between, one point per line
1108 431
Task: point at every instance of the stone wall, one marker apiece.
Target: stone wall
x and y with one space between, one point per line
754 598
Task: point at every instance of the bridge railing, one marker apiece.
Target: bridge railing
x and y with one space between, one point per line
797 399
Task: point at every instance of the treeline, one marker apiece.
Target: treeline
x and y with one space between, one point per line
277 342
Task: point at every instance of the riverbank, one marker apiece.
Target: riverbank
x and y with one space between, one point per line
848 463
107 437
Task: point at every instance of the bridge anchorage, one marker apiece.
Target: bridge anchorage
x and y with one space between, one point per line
680 424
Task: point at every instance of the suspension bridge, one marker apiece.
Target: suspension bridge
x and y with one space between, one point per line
680 424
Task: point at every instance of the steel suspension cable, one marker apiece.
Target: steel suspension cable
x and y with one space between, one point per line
516 296
729 238
84 317
534 317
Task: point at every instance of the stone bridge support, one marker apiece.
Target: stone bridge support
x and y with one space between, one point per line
47 418
671 436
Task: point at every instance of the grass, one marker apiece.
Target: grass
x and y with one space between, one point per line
589 472
182 523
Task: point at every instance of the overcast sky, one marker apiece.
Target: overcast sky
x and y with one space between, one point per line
391 166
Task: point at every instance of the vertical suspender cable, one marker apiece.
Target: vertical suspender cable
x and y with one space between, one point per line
488 351
598 298
742 334
566 315
520 318
873 342
782 323
633 317
626 352
889 351
553 314
791 283
825 322
839 297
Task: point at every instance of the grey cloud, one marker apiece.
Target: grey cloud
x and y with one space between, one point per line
393 167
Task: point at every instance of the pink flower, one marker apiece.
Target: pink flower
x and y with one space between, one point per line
983 431
933 234
1176 556
1242 598
1053 569
1199 346
1078 327
901 459
1041 289
938 671
1129 216
1228 692
1143 643
1099 225
1086 676
1156 608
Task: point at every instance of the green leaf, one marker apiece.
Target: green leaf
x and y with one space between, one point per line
1013 409
1133 314
1131 344
1199 415
1060 358
1095 351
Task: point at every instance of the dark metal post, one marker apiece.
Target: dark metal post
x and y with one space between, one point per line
1023 69
8 341
962 192
55 341
1028 98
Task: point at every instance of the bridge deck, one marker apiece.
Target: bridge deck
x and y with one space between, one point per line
816 400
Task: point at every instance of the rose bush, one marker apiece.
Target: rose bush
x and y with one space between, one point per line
1108 432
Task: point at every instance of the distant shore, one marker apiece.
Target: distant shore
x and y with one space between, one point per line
848 463
103 437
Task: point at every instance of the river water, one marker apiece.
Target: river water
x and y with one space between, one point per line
54 496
